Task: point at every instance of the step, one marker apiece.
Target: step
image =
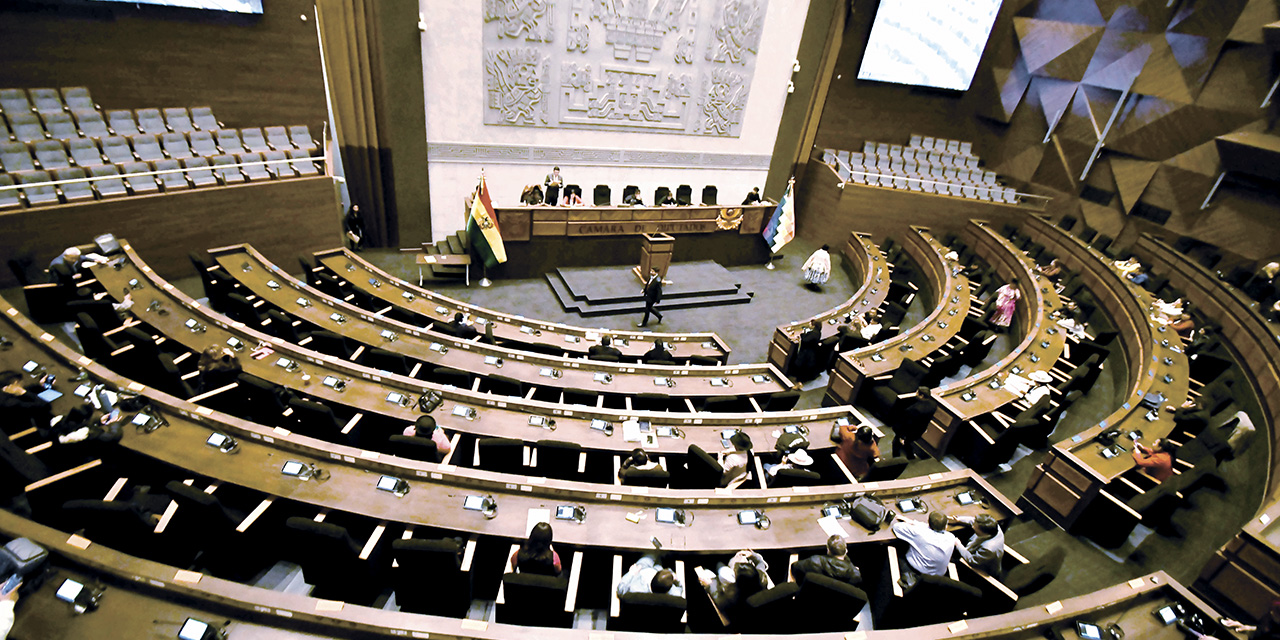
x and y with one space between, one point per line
454 244
464 239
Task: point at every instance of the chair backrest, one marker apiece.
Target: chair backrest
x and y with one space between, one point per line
77 98
413 448
202 118
533 599
558 459
202 143
709 194
386 361
1032 576
179 120
278 137
886 469
202 511
301 137
684 194
601 195
501 454
428 578
253 139
46 100
651 612
702 471
795 478
73 190
176 144
150 121
782 401
51 154
15 157
829 599
503 385
315 417
656 477
323 549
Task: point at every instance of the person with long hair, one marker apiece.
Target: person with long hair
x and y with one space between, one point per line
536 554
858 449
1007 298
817 269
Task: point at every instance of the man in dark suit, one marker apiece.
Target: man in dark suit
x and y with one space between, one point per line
461 329
915 419
652 295
657 353
605 348
835 564
753 197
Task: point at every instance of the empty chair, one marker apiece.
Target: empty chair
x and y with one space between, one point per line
253 172
73 191
179 120
85 152
330 561
301 137
278 165
60 126
451 376
198 172
122 123
14 101
46 101
77 98
446 593
26 127
109 187
773 611
534 600
782 401
207 524
728 404
315 419
9 198
709 194
4 129
151 122
1028 578
278 138
202 118
559 459
330 343
229 141
601 195
502 385
203 144
119 525
175 180
90 123
702 470
886 469
883 399
14 157
504 455
147 147
175 145
51 155
829 604
384 360
117 150
36 195
253 140
301 164
581 397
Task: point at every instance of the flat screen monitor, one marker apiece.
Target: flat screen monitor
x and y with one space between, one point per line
234 6
928 43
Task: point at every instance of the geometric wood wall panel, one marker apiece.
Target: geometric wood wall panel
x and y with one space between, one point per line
1041 41
1132 176
1248 27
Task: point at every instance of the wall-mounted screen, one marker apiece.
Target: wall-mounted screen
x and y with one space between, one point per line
930 43
234 6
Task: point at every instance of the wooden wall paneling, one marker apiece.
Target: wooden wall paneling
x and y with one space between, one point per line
253 71
281 219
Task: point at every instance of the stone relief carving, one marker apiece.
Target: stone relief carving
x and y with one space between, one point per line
639 68
514 81
530 18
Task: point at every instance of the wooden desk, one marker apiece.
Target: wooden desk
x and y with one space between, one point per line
1040 347
866 264
1074 473
520 223
367 388
349 266
949 291
422 259
255 273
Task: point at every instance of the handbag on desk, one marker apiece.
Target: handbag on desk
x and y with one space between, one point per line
868 512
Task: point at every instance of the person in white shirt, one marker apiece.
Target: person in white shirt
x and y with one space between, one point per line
817 269
647 575
7 602
931 547
987 544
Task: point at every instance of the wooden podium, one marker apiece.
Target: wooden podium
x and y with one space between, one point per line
655 253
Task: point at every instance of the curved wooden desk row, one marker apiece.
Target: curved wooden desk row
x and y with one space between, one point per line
1066 483
272 284
949 291
1245 572
349 266
867 265
436 491
1041 345
368 389
146 599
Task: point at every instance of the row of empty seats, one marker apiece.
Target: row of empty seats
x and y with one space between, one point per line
927 165
930 143
47 136
932 156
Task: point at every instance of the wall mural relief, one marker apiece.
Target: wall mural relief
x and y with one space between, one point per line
631 65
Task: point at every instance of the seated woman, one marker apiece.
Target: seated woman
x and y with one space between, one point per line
1185 326
1051 270
536 555
571 199
532 195
1157 460
858 450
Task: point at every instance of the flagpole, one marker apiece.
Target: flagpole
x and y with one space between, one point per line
485 282
790 183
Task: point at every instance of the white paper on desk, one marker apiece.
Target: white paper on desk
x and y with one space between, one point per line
831 526
631 431
536 516
1018 384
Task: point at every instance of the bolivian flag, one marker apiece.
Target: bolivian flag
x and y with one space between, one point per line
482 228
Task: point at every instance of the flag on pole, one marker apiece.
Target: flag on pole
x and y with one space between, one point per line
483 229
782 224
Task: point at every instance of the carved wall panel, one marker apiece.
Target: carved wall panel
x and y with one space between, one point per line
667 66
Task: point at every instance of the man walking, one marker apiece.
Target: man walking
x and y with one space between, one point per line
652 295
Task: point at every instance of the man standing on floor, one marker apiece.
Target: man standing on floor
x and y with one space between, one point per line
652 295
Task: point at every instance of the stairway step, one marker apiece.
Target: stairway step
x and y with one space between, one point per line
455 245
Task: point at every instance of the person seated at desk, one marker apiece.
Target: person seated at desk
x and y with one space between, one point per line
798 459
736 461
753 197
68 267
531 196
869 327
1157 461
605 348
21 403
88 434
218 367
987 544
7 603
1051 270
1185 326
536 555
931 547
1126 267
1268 628
638 460
1139 276
834 564
633 199
461 329
669 200
858 449
658 353
425 427
571 199
731 585
648 575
